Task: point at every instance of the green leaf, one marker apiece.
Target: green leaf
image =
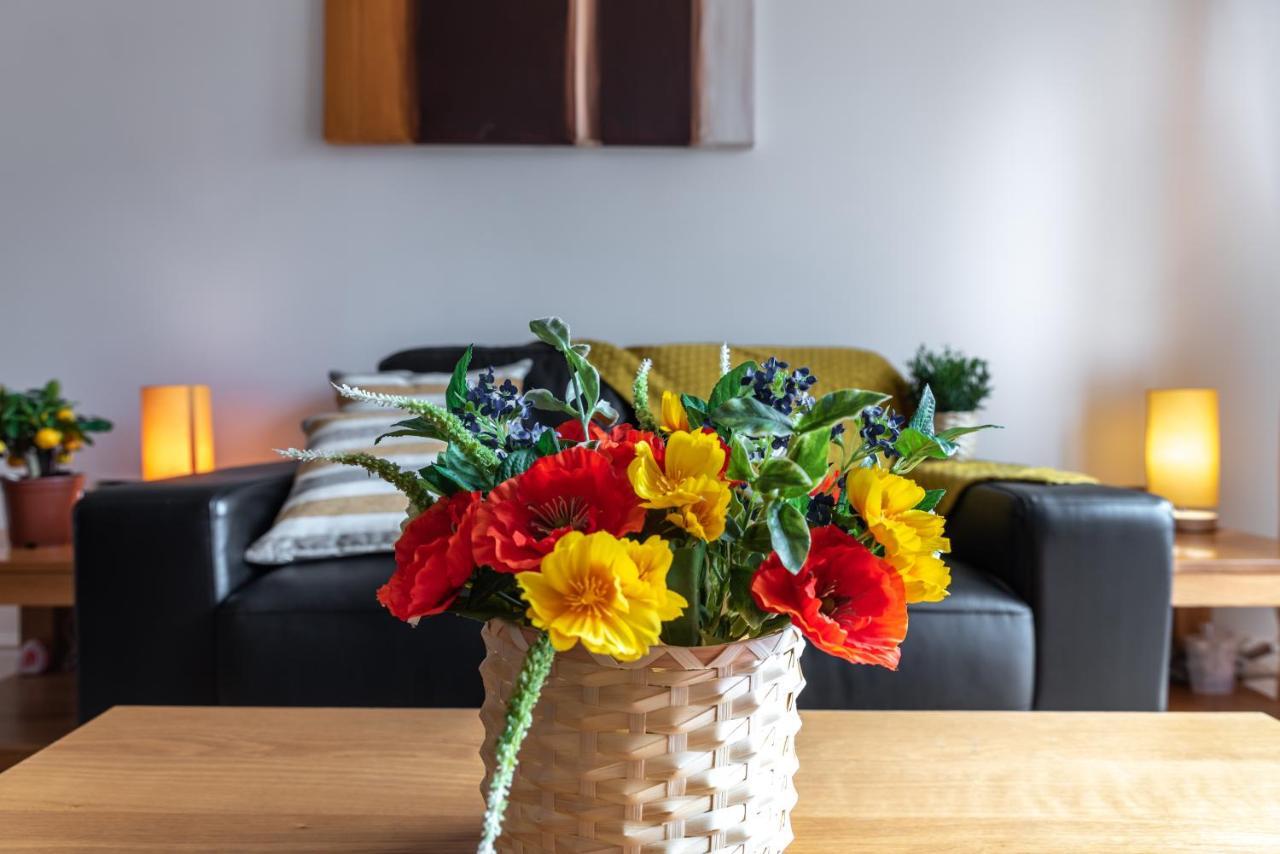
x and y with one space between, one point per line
517 462
438 480
751 417
730 385
789 534
930 500
587 378
781 474
911 443
541 398
455 466
605 412
922 420
740 598
455 396
740 467
809 451
551 330
548 443
831 409
685 578
756 538
695 408
952 433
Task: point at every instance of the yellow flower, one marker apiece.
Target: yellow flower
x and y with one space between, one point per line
911 538
673 415
65 414
653 560
688 482
590 590
47 438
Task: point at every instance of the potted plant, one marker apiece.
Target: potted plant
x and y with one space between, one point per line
959 385
654 584
40 433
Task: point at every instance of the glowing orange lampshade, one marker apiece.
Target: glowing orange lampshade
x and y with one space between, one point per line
177 431
1183 453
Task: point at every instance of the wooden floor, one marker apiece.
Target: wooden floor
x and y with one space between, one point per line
34 711
1241 700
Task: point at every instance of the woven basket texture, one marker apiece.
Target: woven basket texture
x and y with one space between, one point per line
689 749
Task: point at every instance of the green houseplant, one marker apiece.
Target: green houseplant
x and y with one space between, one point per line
40 433
959 384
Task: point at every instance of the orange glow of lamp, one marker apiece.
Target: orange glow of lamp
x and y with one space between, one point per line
1183 450
177 431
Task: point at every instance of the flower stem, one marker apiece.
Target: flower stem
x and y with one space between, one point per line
528 687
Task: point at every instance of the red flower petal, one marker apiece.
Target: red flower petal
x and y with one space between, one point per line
578 489
433 559
845 600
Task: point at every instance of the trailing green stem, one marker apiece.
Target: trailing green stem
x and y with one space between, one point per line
528 687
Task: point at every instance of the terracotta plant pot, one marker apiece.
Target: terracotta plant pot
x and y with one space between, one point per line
688 749
39 509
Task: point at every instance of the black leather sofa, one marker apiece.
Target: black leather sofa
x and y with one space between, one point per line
1060 600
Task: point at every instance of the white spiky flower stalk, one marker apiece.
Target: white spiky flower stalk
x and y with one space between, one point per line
640 397
726 363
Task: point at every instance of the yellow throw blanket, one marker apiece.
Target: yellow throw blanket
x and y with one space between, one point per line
694 369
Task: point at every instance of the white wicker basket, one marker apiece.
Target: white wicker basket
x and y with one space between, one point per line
689 749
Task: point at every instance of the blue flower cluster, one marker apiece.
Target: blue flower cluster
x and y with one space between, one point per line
499 415
775 385
881 427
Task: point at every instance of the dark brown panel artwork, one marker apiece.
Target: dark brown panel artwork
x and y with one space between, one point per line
539 72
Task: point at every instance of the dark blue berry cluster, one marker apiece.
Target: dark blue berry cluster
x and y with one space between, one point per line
775 384
499 415
881 427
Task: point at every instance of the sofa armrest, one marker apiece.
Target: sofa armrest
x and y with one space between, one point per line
1095 563
153 561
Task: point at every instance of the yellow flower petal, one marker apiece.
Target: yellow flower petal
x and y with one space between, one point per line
912 539
925 578
674 416
691 455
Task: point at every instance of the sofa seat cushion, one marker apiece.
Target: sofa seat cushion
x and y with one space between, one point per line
973 650
314 634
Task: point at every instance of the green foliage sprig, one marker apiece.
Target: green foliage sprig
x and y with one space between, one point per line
959 383
407 482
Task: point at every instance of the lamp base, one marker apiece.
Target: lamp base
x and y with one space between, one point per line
1195 521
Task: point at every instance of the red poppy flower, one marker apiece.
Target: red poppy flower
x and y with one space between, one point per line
845 600
433 559
618 444
577 489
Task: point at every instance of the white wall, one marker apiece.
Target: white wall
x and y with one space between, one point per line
1003 176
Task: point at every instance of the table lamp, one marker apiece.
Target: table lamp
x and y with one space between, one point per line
177 431
1182 454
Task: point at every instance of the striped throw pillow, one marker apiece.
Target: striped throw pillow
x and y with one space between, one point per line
335 510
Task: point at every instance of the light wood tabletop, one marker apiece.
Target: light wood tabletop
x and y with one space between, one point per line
381 780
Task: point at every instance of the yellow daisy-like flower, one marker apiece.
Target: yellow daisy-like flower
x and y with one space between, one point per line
653 561
687 482
911 538
590 590
674 416
47 438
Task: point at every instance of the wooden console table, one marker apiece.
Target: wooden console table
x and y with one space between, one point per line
1226 569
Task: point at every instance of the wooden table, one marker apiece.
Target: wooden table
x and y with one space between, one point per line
37 577
381 780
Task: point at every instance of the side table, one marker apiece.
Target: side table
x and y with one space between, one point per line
35 711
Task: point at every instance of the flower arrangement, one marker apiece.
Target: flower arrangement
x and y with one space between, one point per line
711 520
40 430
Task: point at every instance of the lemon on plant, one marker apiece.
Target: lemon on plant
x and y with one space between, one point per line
3 447
16 462
64 458
66 414
71 444
47 438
